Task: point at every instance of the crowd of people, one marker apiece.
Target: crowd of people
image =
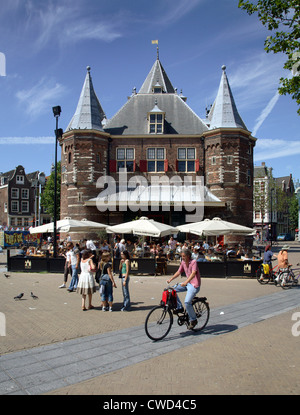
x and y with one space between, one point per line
88 263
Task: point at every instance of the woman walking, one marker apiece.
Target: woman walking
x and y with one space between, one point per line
86 284
106 282
124 268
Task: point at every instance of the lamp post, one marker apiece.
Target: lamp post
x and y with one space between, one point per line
56 113
272 190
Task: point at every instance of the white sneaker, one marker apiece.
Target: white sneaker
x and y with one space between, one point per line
62 286
110 308
103 308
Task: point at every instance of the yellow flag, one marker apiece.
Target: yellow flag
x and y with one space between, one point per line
154 42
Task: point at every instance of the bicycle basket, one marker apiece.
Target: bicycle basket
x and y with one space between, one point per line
169 297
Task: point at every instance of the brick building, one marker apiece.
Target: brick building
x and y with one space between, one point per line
158 139
19 199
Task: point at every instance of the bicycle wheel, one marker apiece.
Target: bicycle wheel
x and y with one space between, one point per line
158 323
261 277
294 280
202 311
289 281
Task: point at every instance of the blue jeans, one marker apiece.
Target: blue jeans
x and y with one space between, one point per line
74 280
126 295
191 292
107 294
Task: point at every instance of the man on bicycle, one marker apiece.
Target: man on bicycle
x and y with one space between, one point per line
191 285
283 264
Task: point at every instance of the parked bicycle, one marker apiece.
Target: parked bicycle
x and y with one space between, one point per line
159 321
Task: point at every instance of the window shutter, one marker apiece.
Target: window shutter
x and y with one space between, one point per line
112 166
166 165
134 165
143 165
176 165
197 165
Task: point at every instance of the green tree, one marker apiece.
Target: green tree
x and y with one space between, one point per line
47 197
293 212
282 18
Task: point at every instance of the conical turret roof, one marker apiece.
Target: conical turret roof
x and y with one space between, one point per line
224 112
157 77
89 113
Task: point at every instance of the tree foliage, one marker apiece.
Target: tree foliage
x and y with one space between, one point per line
47 197
282 18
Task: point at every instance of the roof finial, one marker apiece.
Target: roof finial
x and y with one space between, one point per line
224 68
88 68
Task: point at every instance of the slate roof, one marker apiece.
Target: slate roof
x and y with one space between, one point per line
157 77
224 112
89 113
131 119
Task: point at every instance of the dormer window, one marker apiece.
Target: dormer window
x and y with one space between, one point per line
157 88
156 119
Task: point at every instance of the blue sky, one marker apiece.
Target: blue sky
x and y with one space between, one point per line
48 45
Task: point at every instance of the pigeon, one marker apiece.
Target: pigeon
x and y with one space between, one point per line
18 297
34 296
6 275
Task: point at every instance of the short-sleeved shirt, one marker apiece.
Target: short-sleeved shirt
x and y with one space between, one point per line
105 268
188 269
268 257
73 255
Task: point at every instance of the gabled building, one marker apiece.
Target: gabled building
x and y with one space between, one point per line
19 199
165 148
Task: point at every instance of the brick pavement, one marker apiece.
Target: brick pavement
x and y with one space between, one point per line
259 357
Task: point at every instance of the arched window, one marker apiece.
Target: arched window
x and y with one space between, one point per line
69 157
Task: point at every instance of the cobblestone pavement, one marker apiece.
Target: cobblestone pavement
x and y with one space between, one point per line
52 346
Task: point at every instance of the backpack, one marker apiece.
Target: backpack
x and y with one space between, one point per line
169 297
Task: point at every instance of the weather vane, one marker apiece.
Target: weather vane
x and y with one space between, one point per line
155 42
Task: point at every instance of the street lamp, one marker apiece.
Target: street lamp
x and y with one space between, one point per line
56 113
272 190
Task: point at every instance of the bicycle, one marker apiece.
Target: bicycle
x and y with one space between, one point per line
160 319
266 277
289 280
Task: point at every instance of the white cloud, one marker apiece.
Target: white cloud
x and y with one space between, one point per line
265 112
267 149
256 80
178 10
66 23
26 140
40 97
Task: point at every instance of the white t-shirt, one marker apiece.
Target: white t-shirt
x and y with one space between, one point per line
73 255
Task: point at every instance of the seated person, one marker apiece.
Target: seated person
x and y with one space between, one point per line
201 257
209 254
195 253
161 255
21 251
